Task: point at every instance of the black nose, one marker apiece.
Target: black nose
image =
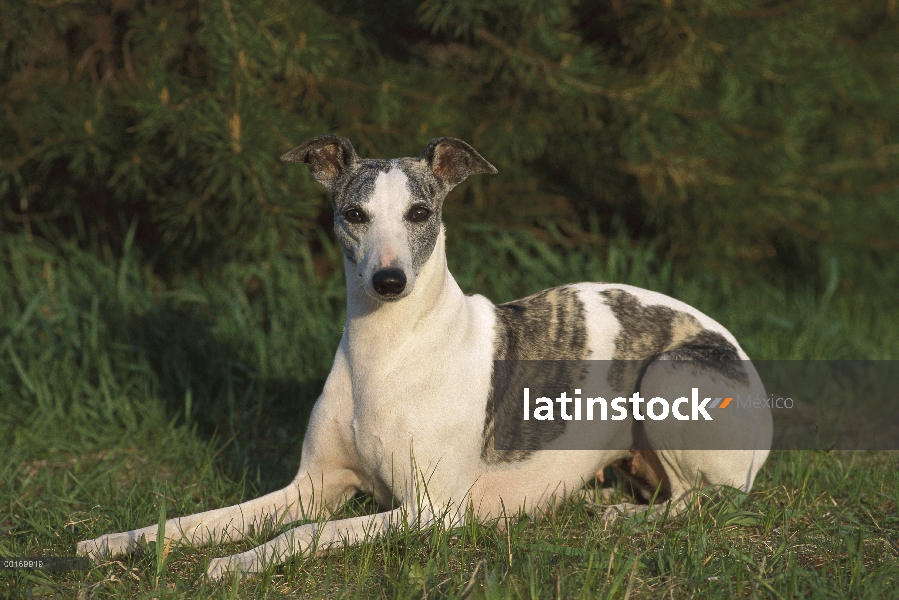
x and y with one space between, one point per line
389 282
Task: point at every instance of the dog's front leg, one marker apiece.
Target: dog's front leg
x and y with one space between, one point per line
327 477
302 498
307 539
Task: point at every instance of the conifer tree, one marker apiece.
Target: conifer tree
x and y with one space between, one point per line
739 134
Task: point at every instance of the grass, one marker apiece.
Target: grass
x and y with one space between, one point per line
125 399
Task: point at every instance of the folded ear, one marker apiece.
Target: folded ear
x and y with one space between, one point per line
453 160
329 158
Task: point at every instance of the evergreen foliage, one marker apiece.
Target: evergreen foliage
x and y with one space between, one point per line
740 135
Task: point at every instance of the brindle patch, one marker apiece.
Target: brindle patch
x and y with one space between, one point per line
356 189
359 185
548 326
654 331
424 190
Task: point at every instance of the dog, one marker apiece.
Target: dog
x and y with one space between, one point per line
407 412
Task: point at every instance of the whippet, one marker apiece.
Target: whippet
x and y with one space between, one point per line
408 408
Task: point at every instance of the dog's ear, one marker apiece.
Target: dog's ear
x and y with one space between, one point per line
329 158
452 160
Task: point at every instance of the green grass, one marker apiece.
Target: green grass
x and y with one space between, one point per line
123 398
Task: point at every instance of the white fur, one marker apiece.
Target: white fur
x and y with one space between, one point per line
386 242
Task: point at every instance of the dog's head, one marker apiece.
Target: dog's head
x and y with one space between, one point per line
387 213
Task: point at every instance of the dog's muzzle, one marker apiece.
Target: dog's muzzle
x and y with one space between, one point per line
389 282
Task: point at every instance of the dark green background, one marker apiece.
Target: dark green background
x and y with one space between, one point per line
742 138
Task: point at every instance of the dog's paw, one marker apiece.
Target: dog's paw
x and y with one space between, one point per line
594 499
96 549
619 513
219 568
106 546
607 496
239 564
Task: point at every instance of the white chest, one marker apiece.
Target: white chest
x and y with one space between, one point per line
419 407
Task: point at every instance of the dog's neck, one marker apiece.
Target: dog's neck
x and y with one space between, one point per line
435 299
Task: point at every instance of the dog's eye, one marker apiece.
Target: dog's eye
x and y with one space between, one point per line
354 215
418 214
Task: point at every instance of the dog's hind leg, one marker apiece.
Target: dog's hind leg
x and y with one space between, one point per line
729 449
648 481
